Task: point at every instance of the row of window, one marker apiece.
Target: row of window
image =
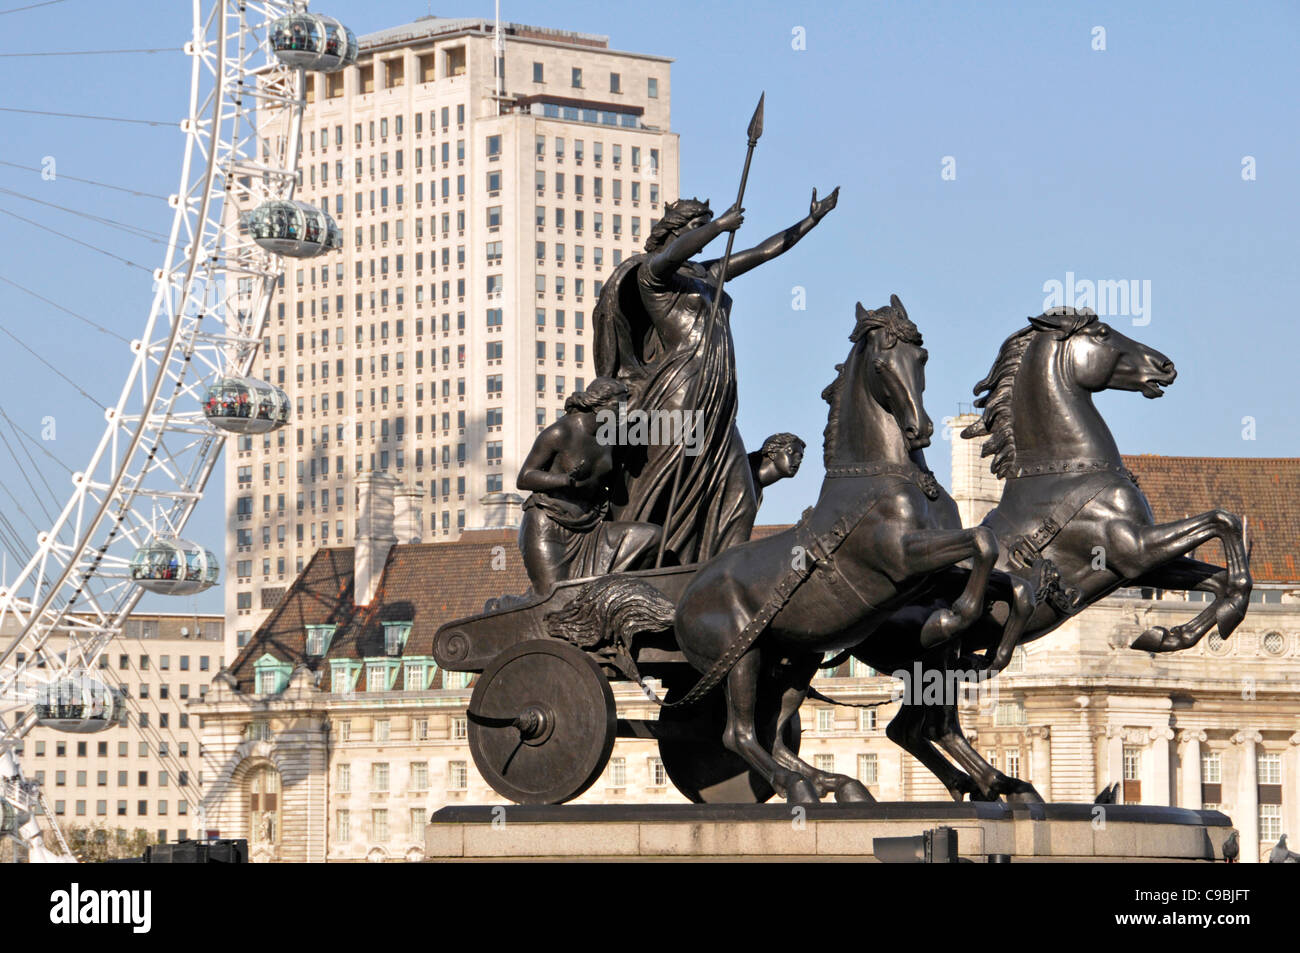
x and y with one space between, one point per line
615 80
102 749
380 831
141 810
101 778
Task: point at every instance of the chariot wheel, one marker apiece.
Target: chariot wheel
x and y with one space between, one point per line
542 722
698 763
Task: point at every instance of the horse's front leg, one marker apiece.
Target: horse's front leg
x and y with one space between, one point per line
927 551
1134 550
741 734
795 679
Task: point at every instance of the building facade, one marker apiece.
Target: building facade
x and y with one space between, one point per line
148 772
337 702
480 215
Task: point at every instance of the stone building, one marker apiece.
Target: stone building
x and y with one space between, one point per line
336 736
146 773
479 221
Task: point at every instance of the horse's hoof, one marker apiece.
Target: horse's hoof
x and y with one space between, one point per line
853 792
1152 640
801 792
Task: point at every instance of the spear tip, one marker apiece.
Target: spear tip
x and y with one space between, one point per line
756 123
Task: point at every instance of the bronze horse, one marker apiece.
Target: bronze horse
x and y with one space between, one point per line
1068 499
881 528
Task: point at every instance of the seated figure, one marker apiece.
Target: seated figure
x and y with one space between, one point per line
778 459
566 532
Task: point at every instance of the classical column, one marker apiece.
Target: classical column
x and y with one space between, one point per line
1115 758
1161 792
1189 756
1245 814
1040 759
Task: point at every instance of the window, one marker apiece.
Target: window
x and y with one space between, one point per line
379 776
825 719
459 727
866 719
1132 775
658 776
652 88
421 729
577 78
1013 762
1009 713
824 762
1270 822
343 825
618 772
868 768
383 730
419 775
457 776
615 83
379 825
538 73
419 818
1270 769
1211 767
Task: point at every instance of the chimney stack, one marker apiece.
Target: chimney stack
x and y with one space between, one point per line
974 487
408 515
375 533
502 510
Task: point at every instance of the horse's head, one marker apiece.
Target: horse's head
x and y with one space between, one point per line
1097 357
895 360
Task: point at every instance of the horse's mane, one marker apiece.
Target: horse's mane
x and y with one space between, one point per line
998 387
831 394
893 320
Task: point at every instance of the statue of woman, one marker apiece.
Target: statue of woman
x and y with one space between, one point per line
650 327
566 532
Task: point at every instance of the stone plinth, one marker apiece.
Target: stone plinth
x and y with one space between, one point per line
1037 832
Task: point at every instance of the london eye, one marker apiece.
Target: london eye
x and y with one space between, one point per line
189 385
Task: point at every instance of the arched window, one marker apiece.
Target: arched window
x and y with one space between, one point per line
264 805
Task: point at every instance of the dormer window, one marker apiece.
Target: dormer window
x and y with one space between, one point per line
319 638
381 674
270 675
395 636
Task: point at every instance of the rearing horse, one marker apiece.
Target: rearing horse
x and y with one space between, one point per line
881 527
1068 498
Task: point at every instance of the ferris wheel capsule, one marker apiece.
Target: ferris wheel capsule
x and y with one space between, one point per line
174 567
8 817
293 228
310 41
79 702
246 405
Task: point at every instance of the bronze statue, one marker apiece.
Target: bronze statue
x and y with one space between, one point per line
652 331
1072 520
760 617
566 531
880 568
778 459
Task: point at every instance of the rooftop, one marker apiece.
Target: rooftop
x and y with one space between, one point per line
1263 491
427 27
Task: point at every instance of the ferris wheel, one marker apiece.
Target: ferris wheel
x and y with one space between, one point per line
189 384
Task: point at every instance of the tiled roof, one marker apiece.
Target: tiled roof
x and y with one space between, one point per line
425 584
1263 491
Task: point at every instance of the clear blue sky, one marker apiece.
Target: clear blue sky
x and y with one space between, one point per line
1116 164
